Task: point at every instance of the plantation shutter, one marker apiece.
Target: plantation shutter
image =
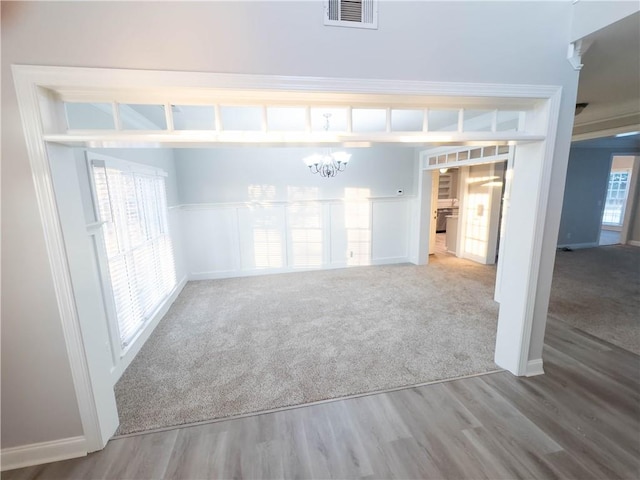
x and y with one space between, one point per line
131 201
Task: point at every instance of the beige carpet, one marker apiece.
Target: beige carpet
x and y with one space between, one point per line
235 346
598 291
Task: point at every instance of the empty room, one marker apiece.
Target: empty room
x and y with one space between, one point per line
316 239
243 279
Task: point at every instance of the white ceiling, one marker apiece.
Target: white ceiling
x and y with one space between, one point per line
610 78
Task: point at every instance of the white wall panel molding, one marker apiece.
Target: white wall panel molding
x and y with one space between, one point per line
44 452
211 206
244 239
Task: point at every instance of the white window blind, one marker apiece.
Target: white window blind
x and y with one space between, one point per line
131 201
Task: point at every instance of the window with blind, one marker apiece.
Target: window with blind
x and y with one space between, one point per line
131 201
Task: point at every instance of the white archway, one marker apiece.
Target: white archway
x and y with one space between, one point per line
41 90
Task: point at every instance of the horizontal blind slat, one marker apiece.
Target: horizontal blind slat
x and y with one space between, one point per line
137 244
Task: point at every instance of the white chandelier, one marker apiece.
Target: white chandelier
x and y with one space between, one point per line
330 163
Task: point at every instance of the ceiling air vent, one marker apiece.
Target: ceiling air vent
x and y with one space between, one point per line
351 13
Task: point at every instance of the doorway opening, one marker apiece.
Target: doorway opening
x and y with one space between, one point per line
616 199
475 113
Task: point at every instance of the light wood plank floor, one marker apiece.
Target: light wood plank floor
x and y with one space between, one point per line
580 420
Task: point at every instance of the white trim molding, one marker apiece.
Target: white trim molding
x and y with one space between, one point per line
44 452
634 243
534 367
39 113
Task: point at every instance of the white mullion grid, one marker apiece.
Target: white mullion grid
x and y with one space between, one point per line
460 120
307 118
265 120
425 120
522 121
168 115
218 119
117 121
349 119
388 124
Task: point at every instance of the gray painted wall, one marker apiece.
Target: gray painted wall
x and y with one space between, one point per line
585 191
221 175
434 41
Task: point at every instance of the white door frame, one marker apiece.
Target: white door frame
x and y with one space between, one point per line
34 85
631 195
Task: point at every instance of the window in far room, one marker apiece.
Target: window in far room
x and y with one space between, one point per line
617 191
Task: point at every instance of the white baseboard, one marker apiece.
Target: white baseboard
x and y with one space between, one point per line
576 246
534 367
390 260
220 274
45 452
634 243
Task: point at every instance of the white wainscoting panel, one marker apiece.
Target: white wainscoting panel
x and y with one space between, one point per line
308 234
230 240
262 231
210 239
390 231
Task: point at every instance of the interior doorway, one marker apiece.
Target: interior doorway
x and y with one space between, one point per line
468 114
469 204
617 198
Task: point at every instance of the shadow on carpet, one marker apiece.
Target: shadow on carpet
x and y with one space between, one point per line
243 345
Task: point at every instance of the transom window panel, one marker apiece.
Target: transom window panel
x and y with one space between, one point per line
142 117
508 121
407 120
443 120
131 201
241 118
89 116
337 119
478 120
369 119
616 197
287 119
263 117
193 117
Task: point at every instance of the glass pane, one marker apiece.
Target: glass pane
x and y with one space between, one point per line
193 117
477 120
406 120
443 120
507 121
287 119
369 120
489 151
476 153
337 119
241 118
142 117
89 116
